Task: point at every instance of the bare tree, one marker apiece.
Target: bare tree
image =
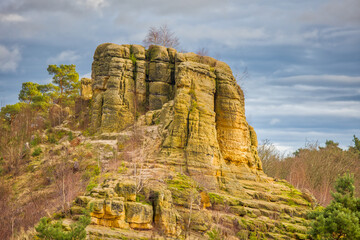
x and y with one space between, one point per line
202 52
312 168
244 75
194 205
161 36
13 138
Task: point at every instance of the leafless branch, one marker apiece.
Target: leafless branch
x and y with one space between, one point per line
161 36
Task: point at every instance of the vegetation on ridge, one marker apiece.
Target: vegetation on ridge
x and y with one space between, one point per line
38 172
313 168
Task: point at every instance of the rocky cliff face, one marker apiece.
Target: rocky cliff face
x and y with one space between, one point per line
206 124
176 122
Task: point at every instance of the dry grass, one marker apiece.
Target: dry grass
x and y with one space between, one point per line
48 187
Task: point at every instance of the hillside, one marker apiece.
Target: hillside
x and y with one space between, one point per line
168 154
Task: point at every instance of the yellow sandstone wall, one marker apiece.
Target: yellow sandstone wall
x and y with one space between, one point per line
206 124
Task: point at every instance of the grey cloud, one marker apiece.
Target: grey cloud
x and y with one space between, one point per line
21 6
65 57
12 18
291 139
9 58
307 123
338 13
295 91
308 108
351 98
35 5
274 102
320 80
304 111
164 7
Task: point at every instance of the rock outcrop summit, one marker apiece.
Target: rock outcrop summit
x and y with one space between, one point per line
196 99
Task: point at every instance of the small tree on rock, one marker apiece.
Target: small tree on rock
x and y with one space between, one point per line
161 36
66 77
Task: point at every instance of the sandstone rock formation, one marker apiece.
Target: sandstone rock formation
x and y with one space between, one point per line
205 125
117 205
190 162
86 88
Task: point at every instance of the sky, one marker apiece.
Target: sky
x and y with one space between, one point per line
302 57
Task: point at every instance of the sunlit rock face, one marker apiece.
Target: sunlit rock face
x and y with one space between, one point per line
199 105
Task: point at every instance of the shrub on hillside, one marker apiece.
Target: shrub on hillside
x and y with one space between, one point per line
37 151
49 230
341 218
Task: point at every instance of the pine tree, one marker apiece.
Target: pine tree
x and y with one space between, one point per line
38 95
66 77
341 218
356 146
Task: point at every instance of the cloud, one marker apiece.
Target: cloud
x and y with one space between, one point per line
165 7
343 79
334 12
68 6
94 4
65 57
12 18
295 109
286 150
310 108
86 75
349 98
9 58
318 85
274 121
232 37
300 89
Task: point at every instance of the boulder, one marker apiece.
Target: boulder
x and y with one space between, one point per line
126 189
138 215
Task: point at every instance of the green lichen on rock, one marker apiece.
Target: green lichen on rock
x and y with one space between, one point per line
139 215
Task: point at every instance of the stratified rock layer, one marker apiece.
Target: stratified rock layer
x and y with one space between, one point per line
116 204
202 107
